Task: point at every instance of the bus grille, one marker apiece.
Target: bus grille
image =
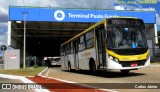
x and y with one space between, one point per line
128 63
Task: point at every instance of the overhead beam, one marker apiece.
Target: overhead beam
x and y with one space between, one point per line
46 35
46 29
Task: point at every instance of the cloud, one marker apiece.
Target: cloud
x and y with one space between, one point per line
3 34
95 4
139 7
3 25
119 7
102 4
3 11
158 20
3 38
3 15
98 4
146 9
133 7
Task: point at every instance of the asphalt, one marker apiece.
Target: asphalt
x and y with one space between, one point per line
145 75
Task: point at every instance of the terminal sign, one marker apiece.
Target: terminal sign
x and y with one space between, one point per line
75 15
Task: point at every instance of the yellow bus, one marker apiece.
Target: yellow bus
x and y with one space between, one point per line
112 44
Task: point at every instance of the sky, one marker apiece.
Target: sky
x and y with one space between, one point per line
94 4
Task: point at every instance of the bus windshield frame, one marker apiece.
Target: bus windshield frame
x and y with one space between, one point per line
127 36
125 21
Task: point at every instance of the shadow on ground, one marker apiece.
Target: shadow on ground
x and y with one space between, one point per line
106 74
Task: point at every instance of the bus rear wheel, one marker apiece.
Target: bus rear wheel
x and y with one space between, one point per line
125 71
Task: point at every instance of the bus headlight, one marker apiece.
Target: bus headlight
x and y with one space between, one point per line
110 57
113 58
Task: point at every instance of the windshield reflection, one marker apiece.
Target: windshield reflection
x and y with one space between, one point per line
126 37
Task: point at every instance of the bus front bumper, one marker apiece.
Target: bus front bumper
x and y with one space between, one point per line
112 65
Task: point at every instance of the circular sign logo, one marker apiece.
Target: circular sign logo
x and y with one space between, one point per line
59 15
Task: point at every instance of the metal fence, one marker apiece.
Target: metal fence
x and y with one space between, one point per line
156 55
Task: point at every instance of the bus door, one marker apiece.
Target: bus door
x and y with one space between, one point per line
65 62
100 46
62 57
75 54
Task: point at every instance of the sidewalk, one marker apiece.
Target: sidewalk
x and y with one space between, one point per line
16 84
6 81
49 84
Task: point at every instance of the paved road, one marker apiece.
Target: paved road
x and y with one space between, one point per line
5 80
150 74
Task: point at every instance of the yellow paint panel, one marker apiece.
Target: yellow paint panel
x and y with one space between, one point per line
128 57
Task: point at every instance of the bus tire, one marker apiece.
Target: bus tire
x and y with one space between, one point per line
69 67
125 71
93 68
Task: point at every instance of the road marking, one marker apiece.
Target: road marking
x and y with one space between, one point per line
98 88
74 82
47 72
42 71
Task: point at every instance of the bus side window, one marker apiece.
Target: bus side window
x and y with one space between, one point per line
77 45
65 49
62 51
71 47
82 43
90 39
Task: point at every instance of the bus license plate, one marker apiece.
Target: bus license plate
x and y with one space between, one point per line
133 65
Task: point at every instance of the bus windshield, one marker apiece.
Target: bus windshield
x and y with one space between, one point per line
126 37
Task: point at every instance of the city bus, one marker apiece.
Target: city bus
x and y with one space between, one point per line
55 60
112 44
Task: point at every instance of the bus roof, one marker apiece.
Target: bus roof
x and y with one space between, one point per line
93 26
83 32
125 17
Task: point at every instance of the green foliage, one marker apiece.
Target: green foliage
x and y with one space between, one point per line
23 72
35 66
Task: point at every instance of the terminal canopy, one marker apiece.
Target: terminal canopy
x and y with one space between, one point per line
48 28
